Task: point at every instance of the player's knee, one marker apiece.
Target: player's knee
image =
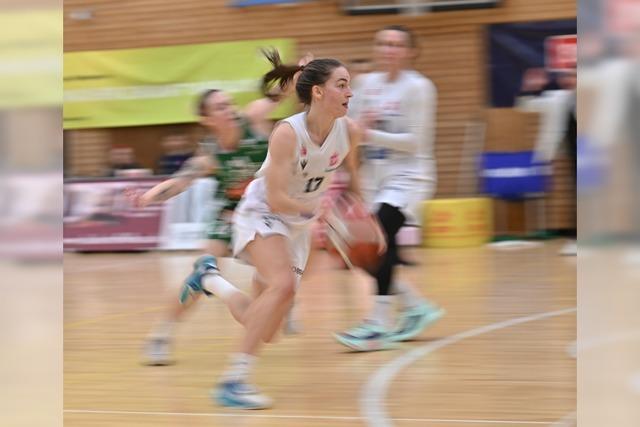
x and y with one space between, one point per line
284 286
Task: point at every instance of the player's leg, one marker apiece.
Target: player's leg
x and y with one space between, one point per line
159 343
301 242
416 311
372 333
271 256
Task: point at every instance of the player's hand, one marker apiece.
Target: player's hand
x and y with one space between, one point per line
308 57
136 197
368 119
382 240
357 208
326 205
535 79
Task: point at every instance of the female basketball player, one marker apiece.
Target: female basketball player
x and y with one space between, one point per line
396 106
271 226
232 151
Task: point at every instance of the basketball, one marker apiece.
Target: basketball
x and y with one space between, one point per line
354 234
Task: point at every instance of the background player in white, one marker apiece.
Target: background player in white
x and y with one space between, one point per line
271 227
396 105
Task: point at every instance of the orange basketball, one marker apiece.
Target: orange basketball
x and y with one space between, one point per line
354 234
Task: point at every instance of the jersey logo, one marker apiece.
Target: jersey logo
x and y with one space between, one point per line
303 153
270 219
333 163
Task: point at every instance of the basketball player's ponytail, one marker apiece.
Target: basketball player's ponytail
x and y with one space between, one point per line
281 74
315 73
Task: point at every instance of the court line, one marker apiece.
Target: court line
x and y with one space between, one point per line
244 414
375 390
568 420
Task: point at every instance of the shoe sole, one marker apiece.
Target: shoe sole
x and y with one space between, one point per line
235 404
361 347
429 321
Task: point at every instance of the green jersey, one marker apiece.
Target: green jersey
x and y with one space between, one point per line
234 171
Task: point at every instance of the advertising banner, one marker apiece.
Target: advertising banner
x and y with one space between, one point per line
98 216
159 85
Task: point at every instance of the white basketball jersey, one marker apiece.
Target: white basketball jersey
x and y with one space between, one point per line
397 103
311 170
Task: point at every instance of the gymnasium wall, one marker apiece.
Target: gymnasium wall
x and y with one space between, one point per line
452 55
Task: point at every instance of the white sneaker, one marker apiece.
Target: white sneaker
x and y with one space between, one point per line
158 351
240 395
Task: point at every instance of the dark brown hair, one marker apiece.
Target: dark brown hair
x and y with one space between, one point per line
201 106
413 42
315 73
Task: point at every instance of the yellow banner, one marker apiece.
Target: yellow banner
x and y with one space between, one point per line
30 58
160 85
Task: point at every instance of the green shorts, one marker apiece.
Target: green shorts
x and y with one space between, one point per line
220 229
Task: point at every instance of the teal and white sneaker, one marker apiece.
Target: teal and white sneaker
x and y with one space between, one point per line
240 395
365 337
206 264
414 320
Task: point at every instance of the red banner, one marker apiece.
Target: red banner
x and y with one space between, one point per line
99 217
561 53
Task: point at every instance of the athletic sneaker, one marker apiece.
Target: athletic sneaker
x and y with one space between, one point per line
158 351
240 395
206 264
365 337
414 320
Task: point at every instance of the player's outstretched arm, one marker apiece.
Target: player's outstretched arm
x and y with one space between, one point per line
195 167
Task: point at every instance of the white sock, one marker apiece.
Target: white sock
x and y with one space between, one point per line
240 367
219 286
407 295
381 314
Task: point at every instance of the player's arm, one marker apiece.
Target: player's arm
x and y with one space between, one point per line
282 153
195 167
421 115
258 113
351 162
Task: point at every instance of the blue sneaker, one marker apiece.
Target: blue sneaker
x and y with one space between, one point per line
414 320
206 264
365 337
240 395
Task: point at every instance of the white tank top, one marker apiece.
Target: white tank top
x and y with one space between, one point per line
311 170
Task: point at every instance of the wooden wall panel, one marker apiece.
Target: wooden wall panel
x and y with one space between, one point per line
452 50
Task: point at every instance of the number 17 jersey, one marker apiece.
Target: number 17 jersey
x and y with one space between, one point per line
311 170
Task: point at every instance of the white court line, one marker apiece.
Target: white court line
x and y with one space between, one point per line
568 420
375 391
244 414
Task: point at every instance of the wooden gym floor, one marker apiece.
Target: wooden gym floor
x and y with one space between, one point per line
500 357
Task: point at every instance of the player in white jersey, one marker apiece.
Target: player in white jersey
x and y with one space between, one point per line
396 106
271 227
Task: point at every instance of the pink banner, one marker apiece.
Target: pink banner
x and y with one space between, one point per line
99 217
